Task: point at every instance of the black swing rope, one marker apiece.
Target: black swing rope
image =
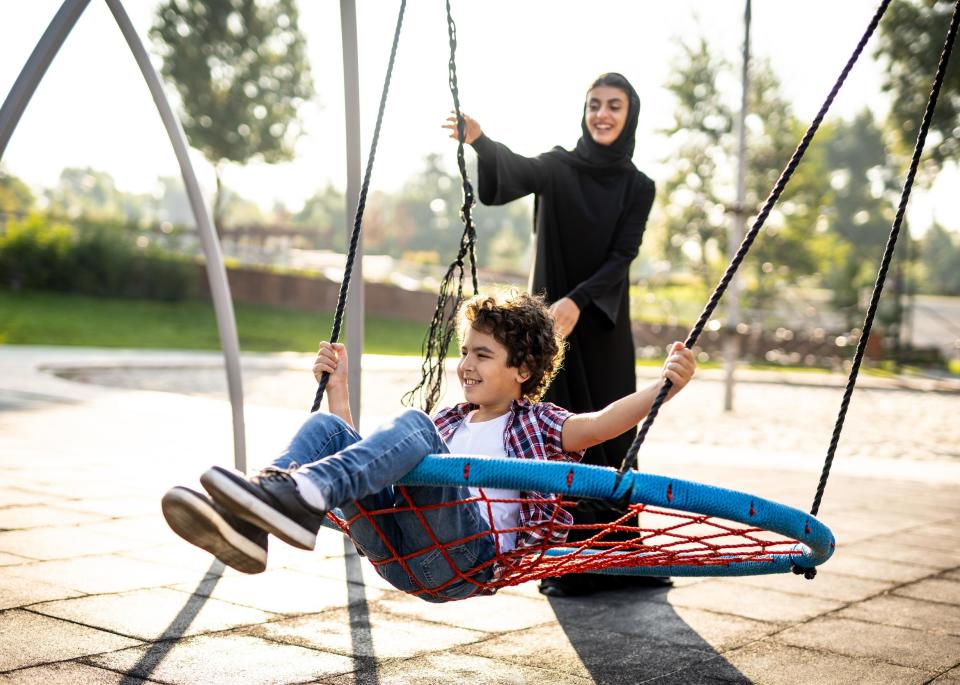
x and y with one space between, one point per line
443 326
888 250
881 275
361 205
631 456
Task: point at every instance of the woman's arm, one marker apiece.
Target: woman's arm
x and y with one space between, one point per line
581 431
503 175
602 288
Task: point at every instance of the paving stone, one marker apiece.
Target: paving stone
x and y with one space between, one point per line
895 610
772 663
495 614
902 646
726 596
28 639
847 563
282 591
39 516
115 506
942 558
96 575
68 672
13 497
457 668
826 585
180 554
152 529
949 678
12 559
226 658
336 568
61 543
364 631
17 592
934 590
628 612
586 649
152 614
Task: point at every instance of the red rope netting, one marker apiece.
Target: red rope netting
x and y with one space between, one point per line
643 536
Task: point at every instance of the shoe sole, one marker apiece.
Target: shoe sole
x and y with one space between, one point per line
223 487
198 523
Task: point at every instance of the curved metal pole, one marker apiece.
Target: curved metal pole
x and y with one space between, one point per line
11 112
36 66
216 271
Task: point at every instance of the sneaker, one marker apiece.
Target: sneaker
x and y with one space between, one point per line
204 523
270 500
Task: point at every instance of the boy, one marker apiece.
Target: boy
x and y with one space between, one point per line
509 353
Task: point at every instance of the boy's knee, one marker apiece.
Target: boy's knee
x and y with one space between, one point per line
416 418
326 421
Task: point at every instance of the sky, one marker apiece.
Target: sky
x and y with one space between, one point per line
522 68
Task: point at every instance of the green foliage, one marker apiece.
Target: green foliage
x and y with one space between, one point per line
241 70
97 258
939 257
702 184
15 196
910 41
87 192
34 253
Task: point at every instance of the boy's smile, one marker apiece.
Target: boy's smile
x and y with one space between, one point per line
485 376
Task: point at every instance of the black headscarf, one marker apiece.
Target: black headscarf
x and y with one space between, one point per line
590 155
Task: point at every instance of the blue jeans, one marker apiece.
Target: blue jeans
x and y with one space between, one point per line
352 471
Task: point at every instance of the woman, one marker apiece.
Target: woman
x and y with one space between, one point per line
590 211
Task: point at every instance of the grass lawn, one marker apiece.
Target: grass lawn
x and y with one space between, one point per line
50 318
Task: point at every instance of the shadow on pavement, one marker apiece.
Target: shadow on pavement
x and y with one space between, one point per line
177 628
632 636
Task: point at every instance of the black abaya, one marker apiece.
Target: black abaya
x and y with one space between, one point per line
588 226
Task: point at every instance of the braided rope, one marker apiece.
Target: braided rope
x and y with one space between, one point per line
443 325
778 188
888 254
361 205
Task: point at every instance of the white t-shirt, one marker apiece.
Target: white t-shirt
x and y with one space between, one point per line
486 438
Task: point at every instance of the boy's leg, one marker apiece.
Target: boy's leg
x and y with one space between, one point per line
361 469
441 537
236 542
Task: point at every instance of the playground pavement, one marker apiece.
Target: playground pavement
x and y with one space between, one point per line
94 588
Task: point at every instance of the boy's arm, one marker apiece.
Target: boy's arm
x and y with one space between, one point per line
332 358
581 431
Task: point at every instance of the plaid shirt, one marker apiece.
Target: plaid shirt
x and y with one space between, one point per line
534 431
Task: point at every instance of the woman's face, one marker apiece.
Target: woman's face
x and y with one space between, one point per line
606 113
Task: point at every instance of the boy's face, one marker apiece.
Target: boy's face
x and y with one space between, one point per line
486 378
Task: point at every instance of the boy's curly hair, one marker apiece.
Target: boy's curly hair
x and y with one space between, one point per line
522 323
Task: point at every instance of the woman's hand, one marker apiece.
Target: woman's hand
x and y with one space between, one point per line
565 313
471 127
332 359
679 367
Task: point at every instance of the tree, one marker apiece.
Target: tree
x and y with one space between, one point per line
241 70
863 182
704 167
694 194
911 36
15 196
939 257
325 212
